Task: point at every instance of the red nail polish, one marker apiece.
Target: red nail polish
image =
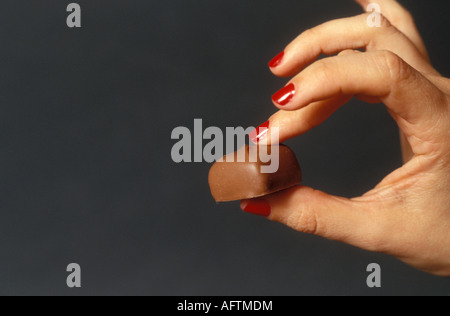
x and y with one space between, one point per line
285 95
276 60
256 207
259 133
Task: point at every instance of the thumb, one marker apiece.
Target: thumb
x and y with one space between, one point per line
315 212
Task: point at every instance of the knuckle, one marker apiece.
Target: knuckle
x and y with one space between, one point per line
304 220
384 21
376 35
306 33
393 66
309 33
322 70
303 216
391 60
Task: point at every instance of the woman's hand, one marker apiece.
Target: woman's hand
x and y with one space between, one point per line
407 215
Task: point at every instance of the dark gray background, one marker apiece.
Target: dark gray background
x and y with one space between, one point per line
85 169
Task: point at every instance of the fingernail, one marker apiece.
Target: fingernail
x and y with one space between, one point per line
259 133
285 95
256 207
276 60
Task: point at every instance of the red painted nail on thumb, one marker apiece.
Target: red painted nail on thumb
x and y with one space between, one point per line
256 207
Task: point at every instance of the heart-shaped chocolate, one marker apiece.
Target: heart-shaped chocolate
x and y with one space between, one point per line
254 171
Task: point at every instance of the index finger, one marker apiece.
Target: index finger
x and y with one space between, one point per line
381 76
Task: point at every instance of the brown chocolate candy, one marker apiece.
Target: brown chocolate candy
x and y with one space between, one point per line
231 180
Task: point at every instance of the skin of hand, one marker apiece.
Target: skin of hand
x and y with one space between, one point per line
407 215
